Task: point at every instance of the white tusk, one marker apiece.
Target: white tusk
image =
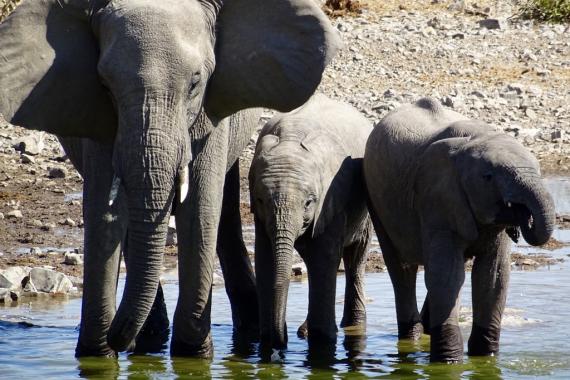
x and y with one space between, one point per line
183 181
509 204
114 190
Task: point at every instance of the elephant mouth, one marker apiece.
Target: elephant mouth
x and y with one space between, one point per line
514 216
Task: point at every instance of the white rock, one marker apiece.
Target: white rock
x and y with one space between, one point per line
49 281
14 214
14 275
73 258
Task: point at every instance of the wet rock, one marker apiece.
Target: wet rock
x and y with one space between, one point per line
73 258
12 277
14 214
5 296
43 280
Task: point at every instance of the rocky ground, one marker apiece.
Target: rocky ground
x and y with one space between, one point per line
479 60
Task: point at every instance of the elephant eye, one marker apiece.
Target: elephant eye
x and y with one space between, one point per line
195 80
309 202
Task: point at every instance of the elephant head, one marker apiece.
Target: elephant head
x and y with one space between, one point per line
141 73
488 178
295 190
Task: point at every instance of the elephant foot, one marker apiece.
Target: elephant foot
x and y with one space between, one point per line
82 351
483 341
303 331
322 337
356 320
410 330
446 344
204 350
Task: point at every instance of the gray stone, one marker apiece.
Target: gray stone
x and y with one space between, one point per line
530 113
68 222
171 237
27 159
14 214
5 296
35 251
299 269
73 258
57 172
15 275
32 145
492 23
48 281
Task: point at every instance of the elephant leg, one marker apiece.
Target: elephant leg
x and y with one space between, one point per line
403 279
489 279
445 274
322 258
234 260
354 257
197 221
104 229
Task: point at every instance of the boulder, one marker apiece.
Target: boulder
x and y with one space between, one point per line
12 277
48 281
32 144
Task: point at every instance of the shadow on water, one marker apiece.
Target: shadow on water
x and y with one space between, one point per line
39 337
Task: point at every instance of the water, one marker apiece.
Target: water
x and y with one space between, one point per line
534 337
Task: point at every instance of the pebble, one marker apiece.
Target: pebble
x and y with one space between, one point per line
73 258
14 214
57 172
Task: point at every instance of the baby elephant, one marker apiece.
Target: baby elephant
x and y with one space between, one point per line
307 193
442 189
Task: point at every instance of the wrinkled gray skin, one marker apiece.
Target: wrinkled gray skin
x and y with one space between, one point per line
231 249
307 194
132 76
442 189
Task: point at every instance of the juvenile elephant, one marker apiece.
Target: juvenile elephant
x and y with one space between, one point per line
443 188
307 193
133 76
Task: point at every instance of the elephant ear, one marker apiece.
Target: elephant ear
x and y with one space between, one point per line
48 70
269 53
438 187
339 175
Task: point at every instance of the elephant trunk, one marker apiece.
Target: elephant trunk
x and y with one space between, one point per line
283 248
538 226
534 208
151 148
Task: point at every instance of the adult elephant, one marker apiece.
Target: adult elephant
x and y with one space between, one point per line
443 188
134 76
